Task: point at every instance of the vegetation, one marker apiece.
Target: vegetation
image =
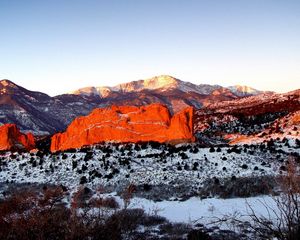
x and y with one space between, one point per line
43 215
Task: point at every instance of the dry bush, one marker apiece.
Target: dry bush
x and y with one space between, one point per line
282 220
42 214
30 215
286 224
128 194
108 202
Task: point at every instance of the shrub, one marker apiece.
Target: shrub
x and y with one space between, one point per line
84 168
198 235
186 167
212 149
244 166
74 164
83 180
147 187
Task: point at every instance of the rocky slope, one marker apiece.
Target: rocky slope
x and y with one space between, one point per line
127 124
283 127
37 112
257 115
12 139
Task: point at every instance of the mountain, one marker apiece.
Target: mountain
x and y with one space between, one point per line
174 93
37 112
160 83
41 114
163 83
244 91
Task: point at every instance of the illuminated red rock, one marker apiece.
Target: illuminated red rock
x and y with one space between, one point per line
127 124
12 139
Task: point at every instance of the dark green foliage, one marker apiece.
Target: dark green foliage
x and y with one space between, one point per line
186 167
83 180
74 164
147 187
198 235
84 168
244 166
195 166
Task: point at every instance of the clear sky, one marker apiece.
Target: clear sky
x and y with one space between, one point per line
56 46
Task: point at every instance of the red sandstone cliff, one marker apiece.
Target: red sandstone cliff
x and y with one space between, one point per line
127 124
11 138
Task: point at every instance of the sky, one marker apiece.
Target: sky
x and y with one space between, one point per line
56 46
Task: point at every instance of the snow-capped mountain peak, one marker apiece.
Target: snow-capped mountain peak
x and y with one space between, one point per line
242 90
155 83
164 83
87 91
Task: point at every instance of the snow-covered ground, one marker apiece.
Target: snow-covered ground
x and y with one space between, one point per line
112 165
195 210
205 211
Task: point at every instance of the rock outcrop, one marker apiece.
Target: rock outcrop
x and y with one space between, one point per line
12 139
127 124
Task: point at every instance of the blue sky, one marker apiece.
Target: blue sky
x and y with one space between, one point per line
56 46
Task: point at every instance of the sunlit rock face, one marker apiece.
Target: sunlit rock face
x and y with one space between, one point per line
12 139
127 124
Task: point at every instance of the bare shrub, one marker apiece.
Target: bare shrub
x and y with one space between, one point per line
282 218
286 224
30 215
128 194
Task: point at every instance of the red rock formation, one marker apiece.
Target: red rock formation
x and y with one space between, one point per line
127 124
11 138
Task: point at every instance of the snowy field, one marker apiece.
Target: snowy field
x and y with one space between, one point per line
113 165
205 211
161 169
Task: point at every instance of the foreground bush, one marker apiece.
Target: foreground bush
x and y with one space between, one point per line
34 214
43 215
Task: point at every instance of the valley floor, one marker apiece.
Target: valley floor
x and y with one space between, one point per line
187 183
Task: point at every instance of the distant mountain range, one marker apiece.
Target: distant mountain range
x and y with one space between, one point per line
174 93
163 83
42 114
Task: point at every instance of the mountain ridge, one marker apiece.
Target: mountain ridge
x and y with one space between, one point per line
42 114
163 83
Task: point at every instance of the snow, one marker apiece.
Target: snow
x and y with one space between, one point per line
163 83
208 211
152 166
244 90
156 167
195 210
